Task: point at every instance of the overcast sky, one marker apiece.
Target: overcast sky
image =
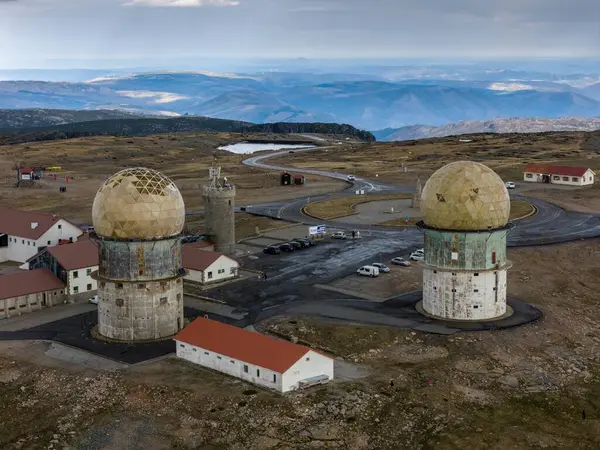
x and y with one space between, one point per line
87 33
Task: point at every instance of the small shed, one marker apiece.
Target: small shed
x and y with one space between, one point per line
25 173
299 179
286 179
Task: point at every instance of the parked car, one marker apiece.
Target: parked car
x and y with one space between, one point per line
94 300
302 242
416 256
382 267
400 261
308 242
368 271
339 235
296 245
272 250
287 248
510 185
351 178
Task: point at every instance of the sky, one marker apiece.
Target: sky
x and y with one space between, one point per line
127 33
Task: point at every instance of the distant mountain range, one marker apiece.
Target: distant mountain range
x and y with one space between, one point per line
512 125
366 101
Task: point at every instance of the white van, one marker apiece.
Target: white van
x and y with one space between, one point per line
368 271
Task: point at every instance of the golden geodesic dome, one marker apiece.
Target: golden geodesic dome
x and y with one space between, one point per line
138 203
465 195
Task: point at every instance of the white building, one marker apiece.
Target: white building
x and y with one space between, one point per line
25 233
73 264
208 267
566 175
251 356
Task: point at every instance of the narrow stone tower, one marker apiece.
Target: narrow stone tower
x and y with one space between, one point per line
465 209
138 216
416 198
219 212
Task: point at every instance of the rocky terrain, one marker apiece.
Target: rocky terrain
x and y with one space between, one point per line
509 125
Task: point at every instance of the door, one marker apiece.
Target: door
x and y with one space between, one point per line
43 299
545 178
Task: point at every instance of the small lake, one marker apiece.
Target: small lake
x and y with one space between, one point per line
246 148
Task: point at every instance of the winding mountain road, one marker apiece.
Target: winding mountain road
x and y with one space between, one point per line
550 225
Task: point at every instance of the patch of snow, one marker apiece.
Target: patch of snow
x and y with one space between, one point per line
245 148
158 97
510 87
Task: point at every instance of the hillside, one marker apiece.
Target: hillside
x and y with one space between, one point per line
30 118
512 125
148 126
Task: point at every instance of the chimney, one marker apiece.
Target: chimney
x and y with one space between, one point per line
34 225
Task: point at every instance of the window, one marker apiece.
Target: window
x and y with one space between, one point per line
232 361
209 275
435 288
119 286
163 300
178 296
89 287
88 271
435 271
28 242
141 286
181 345
476 274
565 178
23 241
476 290
307 359
258 372
574 179
493 289
529 175
206 353
76 290
218 357
453 290
475 306
274 378
453 274
49 243
556 178
245 368
195 349
76 275
120 302
60 228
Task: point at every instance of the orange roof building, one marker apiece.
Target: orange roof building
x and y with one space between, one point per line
251 356
205 267
567 175
28 290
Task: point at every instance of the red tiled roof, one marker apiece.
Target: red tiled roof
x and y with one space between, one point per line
243 345
75 255
196 259
25 170
549 169
18 223
199 244
26 282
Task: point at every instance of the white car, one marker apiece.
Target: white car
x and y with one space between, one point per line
338 235
417 256
351 178
510 185
368 271
400 261
382 267
94 300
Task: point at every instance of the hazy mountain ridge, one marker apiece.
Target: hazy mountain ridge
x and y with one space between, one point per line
147 126
354 99
510 125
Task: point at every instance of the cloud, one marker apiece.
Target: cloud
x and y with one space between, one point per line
181 3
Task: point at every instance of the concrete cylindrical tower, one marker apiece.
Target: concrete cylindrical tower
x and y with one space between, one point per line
219 212
465 208
138 216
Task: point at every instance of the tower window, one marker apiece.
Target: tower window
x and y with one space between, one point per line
119 302
453 290
141 286
119 286
476 290
163 300
476 274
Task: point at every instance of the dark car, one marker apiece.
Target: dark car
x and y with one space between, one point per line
302 242
309 242
287 248
295 244
272 250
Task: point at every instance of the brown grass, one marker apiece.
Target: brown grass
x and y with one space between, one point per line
519 209
344 206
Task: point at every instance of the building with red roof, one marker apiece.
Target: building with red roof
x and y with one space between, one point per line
204 266
29 290
251 356
566 175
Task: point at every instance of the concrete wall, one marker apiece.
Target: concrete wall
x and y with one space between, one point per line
464 295
139 260
222 269
140 310
464 277
311 365
219 217
28 303
83 281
